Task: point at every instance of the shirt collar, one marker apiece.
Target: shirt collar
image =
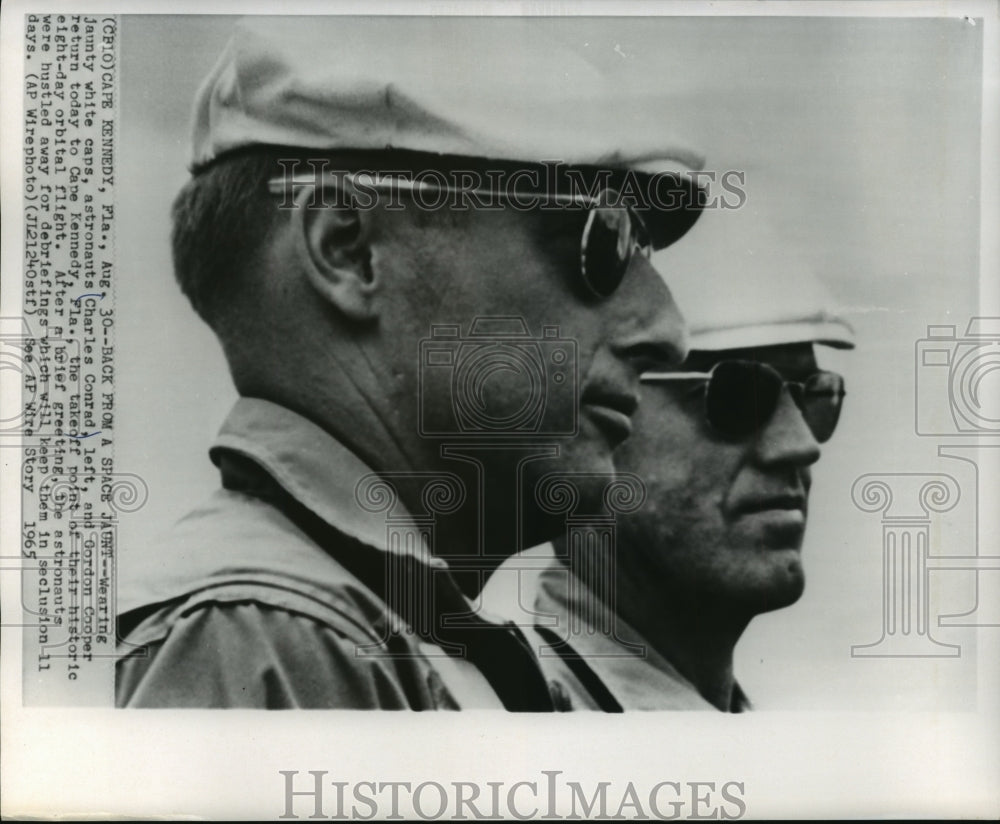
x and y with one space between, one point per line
316 469
628 665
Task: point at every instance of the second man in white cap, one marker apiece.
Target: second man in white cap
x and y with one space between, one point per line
723 449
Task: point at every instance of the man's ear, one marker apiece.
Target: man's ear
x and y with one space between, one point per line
337 260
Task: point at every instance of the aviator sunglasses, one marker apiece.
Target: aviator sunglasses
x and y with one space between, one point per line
741 396
612 234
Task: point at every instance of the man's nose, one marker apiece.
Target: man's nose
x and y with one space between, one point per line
649 328
787 438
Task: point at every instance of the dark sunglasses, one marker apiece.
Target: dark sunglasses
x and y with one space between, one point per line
612 234
741 396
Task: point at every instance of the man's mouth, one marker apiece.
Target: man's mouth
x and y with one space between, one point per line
791 503
610 410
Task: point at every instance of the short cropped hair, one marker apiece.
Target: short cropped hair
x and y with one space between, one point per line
223 216
221 219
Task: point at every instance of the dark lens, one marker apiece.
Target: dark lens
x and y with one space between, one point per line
741 397
607 247
822 399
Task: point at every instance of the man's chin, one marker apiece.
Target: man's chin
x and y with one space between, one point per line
780 583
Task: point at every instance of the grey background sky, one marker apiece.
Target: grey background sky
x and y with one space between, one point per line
860 140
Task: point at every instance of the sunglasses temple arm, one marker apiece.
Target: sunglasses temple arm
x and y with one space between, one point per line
391 182
656 377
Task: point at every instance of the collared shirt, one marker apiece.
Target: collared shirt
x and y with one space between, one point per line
602 662
283 591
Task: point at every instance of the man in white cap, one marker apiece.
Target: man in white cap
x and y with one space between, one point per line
365 220
723 448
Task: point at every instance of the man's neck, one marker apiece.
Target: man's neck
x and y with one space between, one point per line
696 637
699 645
487 526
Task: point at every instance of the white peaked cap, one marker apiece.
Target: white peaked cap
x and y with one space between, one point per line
498 89
740 284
